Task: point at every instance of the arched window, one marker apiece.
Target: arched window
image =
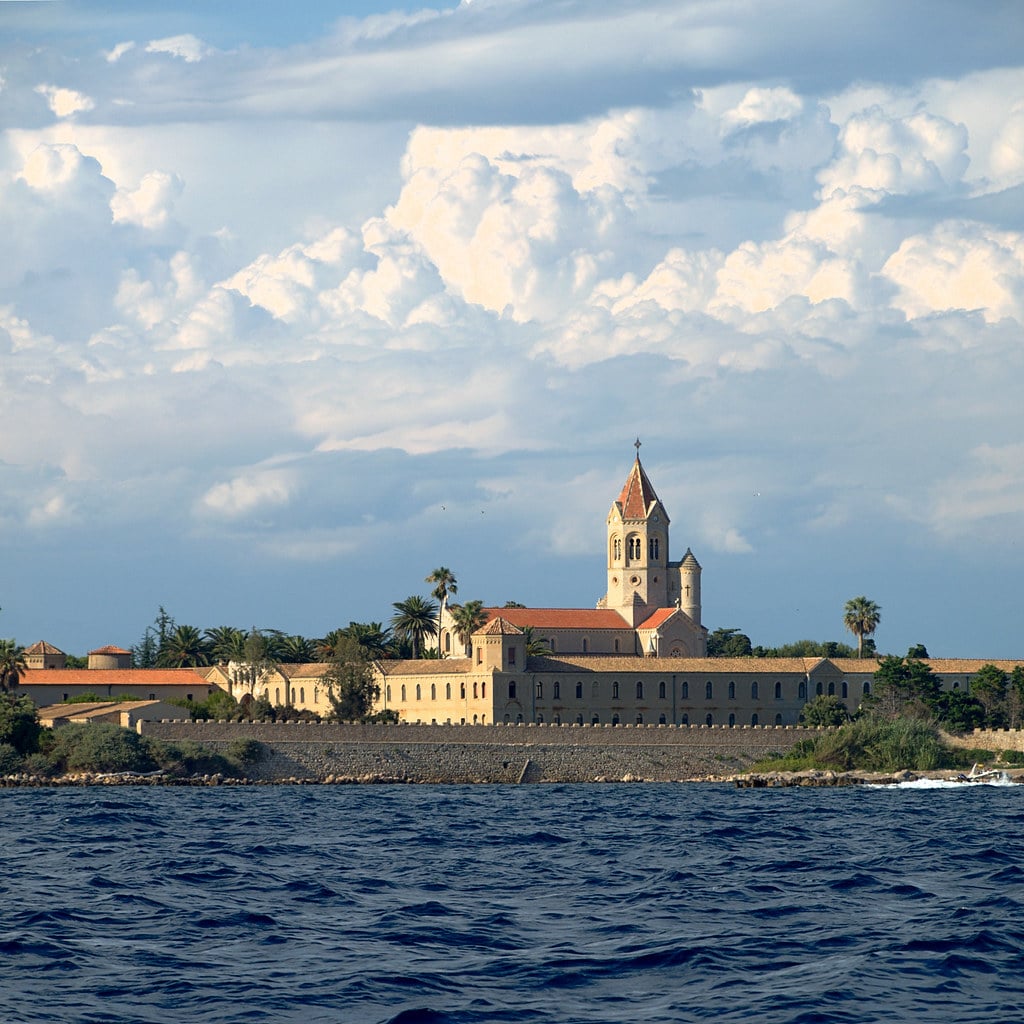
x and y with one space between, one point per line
551 644
819 690
584 645
556 689
540 690
652 548
639 718
579 691
512 690
709 719
540 719
685 690
475 692
708 690
595 719
617 548
615 691
846 689
867 689
403 691
616 645
831 689
387 691
462 690
579 719
433 691
277 694
447 642
558 719
732 721
661 690
639 690
753 719
661 720
302 695
732 690
448 691
778 691
801 690
778 719
483 689
615 718
686 719
419 695
753 691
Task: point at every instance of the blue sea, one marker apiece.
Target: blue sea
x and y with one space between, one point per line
512 905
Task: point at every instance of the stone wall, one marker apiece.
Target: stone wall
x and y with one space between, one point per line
989 739
463 754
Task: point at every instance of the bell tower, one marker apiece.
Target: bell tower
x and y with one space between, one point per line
638 556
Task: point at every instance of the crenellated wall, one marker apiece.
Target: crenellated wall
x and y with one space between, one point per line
466 754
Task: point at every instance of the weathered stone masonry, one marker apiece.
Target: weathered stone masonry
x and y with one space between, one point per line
464 754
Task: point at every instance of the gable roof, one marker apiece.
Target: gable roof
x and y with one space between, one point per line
655 620
558 618
637 494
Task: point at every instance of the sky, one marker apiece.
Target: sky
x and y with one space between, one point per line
297 305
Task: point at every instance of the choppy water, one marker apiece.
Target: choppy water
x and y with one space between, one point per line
473 905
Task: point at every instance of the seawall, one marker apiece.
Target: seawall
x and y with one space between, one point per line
489 753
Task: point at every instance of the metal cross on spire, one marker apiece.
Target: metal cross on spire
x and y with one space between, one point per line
636 445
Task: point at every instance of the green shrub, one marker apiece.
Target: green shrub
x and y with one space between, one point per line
190 758
246 751
19 724
40 764
10 760
869 744
101 747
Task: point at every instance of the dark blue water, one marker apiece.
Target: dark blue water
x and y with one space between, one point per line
458 905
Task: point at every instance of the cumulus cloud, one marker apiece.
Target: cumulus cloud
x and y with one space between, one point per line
960 266
65 102
151 205
250 492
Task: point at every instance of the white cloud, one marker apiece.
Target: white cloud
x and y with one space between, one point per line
249 493
960 266
765 105
151 205
900 155
113 55
65 102
188 47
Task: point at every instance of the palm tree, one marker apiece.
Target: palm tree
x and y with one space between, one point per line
861 617
415 619
184 648
226 643
372 637
468 618
326 648
297 650
12 665
536 647
445 586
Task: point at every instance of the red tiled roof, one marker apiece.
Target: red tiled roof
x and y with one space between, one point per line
559 618
42 647
110 649
637 494
112 676
655 620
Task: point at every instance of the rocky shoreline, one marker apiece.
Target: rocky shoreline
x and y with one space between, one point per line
746 780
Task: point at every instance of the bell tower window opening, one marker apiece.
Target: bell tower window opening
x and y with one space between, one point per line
652 548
